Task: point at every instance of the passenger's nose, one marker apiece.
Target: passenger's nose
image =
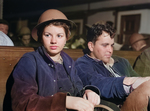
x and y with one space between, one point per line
110 49
53 40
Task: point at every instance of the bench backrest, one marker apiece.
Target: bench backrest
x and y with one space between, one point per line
129 55
9 56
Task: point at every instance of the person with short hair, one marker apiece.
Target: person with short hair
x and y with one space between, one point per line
140 42
24 37
113 75
4 26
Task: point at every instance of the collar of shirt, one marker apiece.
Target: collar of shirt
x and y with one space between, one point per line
110 63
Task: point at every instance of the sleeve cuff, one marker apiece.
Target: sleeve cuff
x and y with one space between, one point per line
93 88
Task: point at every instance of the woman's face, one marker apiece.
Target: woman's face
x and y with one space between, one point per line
54 39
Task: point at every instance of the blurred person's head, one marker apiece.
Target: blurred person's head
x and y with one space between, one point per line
138 42
4 26
25 36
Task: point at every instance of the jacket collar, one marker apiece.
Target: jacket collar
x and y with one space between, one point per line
67 61
42 51
93 59
111 62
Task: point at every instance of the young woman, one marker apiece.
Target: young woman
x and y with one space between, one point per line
46 80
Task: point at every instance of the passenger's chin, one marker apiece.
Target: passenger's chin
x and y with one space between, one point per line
53 52
106 60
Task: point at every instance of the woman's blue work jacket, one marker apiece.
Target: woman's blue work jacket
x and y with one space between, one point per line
35 85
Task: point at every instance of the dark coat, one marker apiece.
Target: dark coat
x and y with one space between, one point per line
35 83
94 72
142 63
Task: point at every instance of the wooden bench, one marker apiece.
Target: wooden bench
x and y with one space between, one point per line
129 55
9 56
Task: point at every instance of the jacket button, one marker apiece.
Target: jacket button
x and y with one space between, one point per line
54 80
69 66
49 64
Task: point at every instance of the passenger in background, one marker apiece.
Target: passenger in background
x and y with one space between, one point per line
138 42
141 43
4 26
25 38
142 63
4 38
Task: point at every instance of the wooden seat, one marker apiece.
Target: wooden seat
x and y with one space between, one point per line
9 56
101 107
129 55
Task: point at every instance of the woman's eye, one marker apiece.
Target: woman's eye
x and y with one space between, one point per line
59 36
46 34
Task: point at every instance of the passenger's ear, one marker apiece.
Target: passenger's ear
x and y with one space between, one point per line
90 46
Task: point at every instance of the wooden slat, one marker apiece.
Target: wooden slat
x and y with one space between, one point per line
129 55
74 53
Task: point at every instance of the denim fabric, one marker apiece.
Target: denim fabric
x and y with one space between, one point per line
94 72
35 83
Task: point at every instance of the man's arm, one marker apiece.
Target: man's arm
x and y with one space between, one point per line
110 87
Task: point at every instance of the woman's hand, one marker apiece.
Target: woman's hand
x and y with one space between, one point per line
92 97
79 104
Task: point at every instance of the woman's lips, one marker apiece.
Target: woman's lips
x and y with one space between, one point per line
53 47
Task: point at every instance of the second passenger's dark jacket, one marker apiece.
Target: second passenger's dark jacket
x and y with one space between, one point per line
94 72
